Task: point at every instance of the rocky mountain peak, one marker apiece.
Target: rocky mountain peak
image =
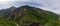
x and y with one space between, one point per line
29 16
13 7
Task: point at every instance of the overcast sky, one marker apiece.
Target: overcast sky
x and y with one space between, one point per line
50 5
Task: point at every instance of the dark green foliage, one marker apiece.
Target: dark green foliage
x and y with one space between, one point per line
5 22
29 15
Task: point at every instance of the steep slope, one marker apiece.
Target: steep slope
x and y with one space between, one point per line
26 15
7 12
31 16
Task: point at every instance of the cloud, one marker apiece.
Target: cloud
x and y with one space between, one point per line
50 5
19 0
6 4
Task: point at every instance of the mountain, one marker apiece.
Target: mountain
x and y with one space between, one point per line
6 12
28 16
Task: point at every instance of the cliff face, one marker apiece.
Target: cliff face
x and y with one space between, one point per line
32 16
27 15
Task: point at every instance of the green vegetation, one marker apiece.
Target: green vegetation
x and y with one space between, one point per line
5 22
29 15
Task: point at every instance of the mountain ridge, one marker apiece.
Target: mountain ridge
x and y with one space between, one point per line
30 16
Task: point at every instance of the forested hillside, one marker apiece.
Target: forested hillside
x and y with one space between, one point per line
28 16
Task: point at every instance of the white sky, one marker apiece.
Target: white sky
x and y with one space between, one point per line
51 5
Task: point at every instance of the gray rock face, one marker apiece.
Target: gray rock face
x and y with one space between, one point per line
6 12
